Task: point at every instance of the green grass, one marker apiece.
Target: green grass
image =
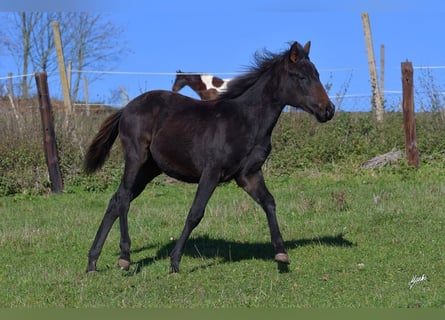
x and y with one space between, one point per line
355 239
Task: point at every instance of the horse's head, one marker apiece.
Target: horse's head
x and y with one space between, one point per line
180 81
303 88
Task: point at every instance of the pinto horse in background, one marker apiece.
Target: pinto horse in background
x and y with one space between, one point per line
206 142
205 85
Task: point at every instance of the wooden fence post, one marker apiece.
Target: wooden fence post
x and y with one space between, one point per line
409 123
15 110
382 73
62 70
49 137
10 86
85 93
377 99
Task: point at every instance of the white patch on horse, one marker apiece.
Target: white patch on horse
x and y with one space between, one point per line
207 79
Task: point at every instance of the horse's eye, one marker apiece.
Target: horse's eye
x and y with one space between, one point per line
300 76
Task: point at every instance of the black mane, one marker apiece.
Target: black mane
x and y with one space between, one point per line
264 61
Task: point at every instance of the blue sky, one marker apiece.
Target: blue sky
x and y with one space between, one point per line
221 38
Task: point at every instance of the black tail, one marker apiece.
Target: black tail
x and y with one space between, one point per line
99 149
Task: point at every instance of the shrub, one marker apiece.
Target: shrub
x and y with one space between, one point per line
299 142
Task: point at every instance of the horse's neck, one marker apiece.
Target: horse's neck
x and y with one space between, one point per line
196 84
260 108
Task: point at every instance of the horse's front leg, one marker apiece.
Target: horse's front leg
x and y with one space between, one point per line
255 186
206 186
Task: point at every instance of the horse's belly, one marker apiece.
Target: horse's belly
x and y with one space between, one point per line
175 162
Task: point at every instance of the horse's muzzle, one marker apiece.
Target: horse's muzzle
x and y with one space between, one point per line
328 114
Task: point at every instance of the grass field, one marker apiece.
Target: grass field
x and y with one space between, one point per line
355 239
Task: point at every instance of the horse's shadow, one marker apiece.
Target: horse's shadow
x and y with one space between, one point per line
224 251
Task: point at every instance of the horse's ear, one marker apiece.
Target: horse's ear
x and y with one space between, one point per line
295 51
293 55
307 48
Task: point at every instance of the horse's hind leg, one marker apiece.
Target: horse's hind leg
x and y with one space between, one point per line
119 202
133 182
146 173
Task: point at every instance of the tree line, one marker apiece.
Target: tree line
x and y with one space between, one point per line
90 40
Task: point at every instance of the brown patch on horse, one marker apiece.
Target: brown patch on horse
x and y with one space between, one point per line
209 94
217 82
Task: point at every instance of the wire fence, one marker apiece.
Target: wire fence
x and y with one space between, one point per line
348 88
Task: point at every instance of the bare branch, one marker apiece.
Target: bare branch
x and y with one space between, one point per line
88 39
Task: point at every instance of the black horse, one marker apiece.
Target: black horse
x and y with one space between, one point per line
206 142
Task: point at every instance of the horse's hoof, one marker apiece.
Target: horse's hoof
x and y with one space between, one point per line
123 264
282 257
91 268
174 269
